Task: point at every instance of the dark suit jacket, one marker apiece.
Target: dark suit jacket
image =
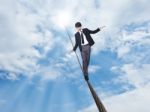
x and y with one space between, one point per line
87 33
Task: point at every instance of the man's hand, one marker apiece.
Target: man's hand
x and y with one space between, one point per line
71 51
102 27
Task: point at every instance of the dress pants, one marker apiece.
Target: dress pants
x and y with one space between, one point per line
85 54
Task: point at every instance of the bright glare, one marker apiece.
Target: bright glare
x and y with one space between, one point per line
63 19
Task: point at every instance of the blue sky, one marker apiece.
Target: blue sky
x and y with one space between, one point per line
37 73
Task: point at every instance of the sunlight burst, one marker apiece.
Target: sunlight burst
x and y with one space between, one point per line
63 18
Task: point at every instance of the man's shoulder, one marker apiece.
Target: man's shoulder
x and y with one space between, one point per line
76 33
85 29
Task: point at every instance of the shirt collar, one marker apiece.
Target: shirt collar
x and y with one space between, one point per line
80 31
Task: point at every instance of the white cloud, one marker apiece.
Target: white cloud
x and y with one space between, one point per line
123 51
18 37
17 40
94 68
50 75
19 32
115 15
132 101
137 76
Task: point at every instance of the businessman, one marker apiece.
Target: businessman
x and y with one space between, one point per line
84 41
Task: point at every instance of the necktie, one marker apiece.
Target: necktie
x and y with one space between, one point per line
82 39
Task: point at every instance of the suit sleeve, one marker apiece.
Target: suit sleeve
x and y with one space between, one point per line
76 44
94 31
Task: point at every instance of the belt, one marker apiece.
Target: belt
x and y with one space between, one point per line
85 45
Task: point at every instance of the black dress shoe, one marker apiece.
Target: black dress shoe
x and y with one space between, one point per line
86 77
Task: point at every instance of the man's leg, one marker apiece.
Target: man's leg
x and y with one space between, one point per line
83 54
86 58
88 51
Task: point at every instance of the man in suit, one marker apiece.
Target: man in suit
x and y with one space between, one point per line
84 41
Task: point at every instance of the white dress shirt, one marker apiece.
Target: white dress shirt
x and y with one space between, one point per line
85 40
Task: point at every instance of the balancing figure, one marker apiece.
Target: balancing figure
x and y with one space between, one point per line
84 41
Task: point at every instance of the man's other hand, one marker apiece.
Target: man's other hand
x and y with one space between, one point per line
71 51
102 27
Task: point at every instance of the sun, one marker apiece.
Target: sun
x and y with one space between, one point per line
63 18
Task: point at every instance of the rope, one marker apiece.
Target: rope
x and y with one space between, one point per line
98 102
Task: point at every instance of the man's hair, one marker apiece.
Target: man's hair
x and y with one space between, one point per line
78 24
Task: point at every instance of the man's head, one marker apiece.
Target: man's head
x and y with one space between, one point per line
78 26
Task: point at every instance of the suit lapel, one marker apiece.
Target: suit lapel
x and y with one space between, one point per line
84 31
79 39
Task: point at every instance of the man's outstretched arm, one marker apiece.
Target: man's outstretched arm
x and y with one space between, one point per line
97 30
94 31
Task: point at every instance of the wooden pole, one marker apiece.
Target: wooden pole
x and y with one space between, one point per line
97 100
